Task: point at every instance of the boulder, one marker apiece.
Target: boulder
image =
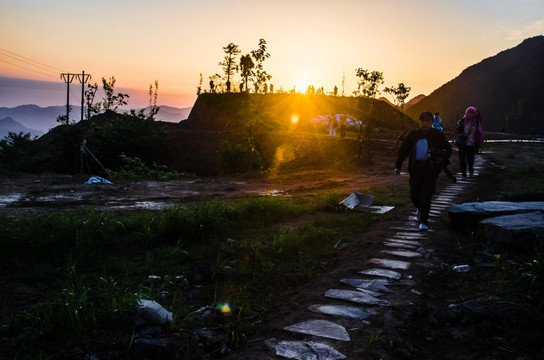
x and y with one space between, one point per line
473 212
519 229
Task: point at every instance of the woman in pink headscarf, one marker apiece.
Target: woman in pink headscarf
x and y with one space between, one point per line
470 137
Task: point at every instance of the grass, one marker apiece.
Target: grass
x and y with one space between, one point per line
90 267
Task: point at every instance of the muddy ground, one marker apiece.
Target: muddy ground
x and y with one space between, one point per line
428 329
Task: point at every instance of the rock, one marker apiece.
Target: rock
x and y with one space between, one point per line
308 350
520 229
153 312
356 297
340 310
322 328
471 213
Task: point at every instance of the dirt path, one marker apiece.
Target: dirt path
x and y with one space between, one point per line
432 312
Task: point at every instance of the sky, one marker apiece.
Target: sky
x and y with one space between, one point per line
421 43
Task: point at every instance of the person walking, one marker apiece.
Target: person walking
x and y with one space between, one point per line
428 149
437 122
333 124
469 137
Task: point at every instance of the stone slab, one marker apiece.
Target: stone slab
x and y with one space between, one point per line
322 328
308 350
400 245
414 233
356 297
405 241
408 238
391 264
351 312
520 229
401 253
473 212
390 274
378 285
376 294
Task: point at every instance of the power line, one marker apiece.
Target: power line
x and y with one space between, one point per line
37 62
22 67
29 63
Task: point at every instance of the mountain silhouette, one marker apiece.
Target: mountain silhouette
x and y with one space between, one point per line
507 88
8 125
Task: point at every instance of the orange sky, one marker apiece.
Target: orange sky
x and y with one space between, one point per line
422 43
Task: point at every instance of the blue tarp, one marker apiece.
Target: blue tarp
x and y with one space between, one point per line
97 180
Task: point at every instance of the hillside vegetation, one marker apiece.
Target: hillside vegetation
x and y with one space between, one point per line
507 88
224 133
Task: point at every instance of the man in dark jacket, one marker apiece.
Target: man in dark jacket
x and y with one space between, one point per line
428 148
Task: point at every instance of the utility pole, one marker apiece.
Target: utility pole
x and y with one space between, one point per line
83 79
68 78
343 82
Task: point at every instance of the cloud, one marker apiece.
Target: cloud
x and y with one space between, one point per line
529 30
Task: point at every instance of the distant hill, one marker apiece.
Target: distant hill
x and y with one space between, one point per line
8 125
413 101
507 88
45 118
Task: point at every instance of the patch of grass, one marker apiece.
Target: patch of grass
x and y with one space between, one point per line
93 265
134 168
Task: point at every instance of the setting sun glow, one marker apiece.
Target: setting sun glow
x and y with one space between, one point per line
294 119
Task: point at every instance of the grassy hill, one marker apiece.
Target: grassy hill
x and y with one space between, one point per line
507 88
224 133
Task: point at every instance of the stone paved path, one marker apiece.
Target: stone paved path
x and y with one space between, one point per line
369 292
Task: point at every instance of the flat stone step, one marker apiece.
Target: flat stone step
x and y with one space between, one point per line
322 328
403 237
414 233
401 253
351 312
391 264
390 274
308 350
356 297
372 285
400 245
406 242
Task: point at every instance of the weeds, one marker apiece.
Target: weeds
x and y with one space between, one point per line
134 168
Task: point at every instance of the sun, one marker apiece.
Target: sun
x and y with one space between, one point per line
301 86
294 119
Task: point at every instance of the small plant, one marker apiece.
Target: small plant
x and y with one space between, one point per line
331 202
134 168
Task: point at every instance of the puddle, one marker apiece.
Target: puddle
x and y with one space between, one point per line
274 192
9 198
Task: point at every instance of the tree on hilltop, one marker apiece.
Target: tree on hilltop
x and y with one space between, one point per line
400 93
260 55
246 69
229 62
368 83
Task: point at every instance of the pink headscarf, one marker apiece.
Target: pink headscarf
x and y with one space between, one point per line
471 109
479 134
